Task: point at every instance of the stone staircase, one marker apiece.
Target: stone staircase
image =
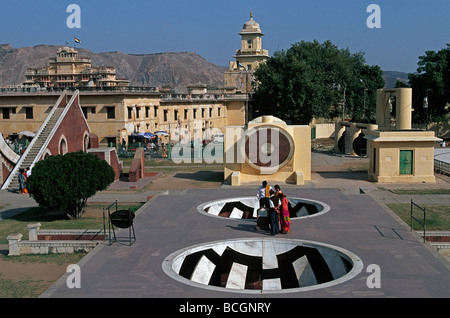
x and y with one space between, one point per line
36 147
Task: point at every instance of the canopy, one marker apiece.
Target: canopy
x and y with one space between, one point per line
146 135
161 133
149 135
27 133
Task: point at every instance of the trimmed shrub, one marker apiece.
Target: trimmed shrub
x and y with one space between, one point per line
66 182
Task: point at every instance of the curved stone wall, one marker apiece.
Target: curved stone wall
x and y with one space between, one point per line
263 265
247 207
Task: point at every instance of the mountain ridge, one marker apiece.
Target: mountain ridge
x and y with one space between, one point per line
161 69
173 69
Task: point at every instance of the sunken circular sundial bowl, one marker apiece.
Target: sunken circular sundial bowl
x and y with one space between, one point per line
247 208
262 265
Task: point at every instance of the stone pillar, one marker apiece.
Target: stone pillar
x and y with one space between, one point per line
353 133
338 131
33 228
13 241
403 116
383 113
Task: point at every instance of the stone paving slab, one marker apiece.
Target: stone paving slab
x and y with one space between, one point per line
170 222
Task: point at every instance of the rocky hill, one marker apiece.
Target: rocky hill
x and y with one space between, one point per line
176 70
390 77
162 69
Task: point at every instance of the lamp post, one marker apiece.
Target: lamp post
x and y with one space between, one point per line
364 103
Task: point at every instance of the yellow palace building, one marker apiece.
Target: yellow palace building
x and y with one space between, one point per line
114 110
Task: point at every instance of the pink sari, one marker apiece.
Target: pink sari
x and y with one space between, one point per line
285 219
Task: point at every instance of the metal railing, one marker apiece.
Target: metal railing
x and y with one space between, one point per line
421 222
106 219
441 166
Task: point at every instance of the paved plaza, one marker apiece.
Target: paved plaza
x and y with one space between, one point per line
358 221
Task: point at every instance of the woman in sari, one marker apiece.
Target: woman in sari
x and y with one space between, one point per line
285 220
22 182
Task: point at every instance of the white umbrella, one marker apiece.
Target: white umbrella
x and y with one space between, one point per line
27 133
161 133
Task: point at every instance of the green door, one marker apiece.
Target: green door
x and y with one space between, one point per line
406 160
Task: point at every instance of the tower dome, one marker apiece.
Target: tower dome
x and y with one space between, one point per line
251 26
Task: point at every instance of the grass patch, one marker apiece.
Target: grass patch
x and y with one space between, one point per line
26 287
20 289
437 216
91 219
59 259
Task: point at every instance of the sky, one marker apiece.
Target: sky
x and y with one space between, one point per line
406 29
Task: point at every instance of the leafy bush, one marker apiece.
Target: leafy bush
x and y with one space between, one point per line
66 182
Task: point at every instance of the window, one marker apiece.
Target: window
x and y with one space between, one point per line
155 109
5 112
110 112
130 112
62 147
406 162
138 110
165 114
374 168
147 111
84 109
210 112
29 112
218 111
185 114
111 141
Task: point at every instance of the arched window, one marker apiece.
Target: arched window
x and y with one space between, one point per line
62 146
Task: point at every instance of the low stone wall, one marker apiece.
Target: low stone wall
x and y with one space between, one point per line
436 236
440 240
64 235
43 241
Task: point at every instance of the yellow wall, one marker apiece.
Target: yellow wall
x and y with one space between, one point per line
385 163
95 105
239 170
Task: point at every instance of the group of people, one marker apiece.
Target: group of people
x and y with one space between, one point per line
23 176
275 201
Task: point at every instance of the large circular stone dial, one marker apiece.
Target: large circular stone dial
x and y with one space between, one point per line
268 148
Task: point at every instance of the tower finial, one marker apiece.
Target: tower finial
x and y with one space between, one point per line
251 14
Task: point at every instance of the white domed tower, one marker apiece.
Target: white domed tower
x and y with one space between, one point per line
248 58
251 53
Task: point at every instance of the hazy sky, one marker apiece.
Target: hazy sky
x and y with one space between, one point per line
408 28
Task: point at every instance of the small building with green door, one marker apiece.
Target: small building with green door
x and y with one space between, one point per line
401 156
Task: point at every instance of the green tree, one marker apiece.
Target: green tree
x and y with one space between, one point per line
433 80
65 182
311 79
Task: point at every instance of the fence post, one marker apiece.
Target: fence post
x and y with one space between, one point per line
13 242
424 226
33 229
411 215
